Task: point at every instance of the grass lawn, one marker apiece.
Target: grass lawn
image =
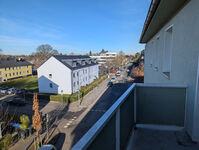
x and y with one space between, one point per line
29 83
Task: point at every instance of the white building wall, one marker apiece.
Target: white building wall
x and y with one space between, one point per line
184 60
61 77
84 76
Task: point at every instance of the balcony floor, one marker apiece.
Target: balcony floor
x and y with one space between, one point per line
150 139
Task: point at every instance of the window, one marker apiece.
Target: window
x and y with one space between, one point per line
77 82
9 68
20 73
6 75
167 51
13 74
10 74
0 73
5 69
74 84
17 73
27 71
78 74
50 75
151 53
156 53
51 85
73 75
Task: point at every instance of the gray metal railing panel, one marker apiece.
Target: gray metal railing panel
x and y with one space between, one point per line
126 120
106 138
160 105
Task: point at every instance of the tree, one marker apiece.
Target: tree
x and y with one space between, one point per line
42 53
103 51
90 53
46 51
36 118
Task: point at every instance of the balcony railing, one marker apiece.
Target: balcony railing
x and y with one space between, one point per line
156 104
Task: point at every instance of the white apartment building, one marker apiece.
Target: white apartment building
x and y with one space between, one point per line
66 74
104 57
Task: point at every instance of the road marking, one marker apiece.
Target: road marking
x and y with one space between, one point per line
98 110
70 122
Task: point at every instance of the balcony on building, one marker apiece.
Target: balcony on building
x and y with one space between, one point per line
146 116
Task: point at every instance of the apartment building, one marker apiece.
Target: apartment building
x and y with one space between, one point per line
14 68
66 74
104 57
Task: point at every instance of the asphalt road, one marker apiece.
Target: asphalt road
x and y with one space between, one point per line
77 129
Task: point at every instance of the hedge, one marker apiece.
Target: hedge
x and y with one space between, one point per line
83 91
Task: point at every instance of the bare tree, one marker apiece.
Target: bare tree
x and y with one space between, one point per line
46 51
42 53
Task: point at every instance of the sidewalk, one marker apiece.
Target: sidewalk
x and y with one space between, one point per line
87 102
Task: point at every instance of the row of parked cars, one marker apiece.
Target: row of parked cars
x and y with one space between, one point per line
7 91
110 83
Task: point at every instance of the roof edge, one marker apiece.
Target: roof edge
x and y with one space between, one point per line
152 9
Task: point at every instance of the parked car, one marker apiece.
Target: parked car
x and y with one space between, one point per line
20 91
113 79
16 101
11 91
48 147
110 84
4 90
117 74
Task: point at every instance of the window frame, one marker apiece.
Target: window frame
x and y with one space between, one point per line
165 72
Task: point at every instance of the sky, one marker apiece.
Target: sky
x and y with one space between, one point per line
76 26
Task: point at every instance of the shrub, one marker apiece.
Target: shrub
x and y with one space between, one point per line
5 142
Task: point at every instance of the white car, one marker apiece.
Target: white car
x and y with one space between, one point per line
11 91
48 147
113 79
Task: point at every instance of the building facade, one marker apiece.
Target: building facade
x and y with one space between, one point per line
66 74
104 57
14 68
172 51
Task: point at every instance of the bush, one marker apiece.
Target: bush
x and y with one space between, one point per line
5 142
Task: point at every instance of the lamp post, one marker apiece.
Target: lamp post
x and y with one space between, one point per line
0 129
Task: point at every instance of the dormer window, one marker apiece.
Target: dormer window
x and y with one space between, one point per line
74 63
83 62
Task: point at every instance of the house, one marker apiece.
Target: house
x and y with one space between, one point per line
103 57
66 74
158 113
11 68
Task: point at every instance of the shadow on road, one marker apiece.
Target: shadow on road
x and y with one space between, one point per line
103 104
58 140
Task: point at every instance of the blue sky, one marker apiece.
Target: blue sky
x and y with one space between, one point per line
72 25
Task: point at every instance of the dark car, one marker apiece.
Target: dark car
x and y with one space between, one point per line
20 91
110 84
17 101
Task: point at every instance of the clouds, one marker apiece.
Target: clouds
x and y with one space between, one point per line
14 27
